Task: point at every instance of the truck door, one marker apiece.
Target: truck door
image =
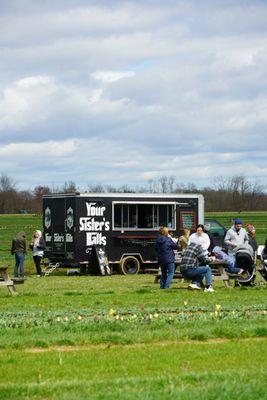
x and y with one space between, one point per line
70 227
58 226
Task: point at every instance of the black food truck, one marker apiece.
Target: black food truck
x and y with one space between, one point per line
120 228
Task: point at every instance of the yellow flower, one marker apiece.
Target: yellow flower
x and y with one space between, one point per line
111 312
156 315
121 318
79 317
58 319
150 316
66 319
185 303
218 307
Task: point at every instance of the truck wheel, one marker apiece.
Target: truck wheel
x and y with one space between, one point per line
129 265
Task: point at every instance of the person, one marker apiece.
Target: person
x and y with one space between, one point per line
251 231
193 266
37 246
235 237
210 235
165 246
200 237
183 240
221 255
18 249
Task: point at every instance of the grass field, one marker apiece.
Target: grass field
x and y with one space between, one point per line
122 338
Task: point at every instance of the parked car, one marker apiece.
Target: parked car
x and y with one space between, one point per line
217 230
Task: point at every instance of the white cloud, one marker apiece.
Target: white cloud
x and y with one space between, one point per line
111 76
195 106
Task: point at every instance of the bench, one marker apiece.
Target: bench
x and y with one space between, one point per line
6 281
218 273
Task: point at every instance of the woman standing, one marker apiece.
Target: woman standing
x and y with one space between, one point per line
200 237
164 248
37 246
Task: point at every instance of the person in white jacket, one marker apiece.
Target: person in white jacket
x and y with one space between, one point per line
200 237
236 237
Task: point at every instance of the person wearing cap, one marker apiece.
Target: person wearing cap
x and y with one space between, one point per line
37 246
236 237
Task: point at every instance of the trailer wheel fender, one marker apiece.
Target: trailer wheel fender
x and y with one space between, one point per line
129 265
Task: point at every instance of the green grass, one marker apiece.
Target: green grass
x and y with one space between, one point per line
122 338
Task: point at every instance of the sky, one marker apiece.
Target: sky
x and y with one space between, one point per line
122 92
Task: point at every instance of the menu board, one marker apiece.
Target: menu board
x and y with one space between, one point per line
187 219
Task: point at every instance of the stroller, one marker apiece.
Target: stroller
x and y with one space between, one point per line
245 260
263 266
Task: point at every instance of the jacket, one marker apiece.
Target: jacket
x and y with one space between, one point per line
193 256
234 239
164 248
19 243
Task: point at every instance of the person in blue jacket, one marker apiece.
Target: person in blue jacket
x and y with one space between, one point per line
165 247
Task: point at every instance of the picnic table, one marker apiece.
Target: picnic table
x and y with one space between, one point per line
6 281
218 273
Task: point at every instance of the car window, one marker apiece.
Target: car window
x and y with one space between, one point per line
215 227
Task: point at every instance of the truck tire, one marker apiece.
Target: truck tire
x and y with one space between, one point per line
129 265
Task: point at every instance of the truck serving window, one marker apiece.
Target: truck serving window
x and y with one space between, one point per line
143 216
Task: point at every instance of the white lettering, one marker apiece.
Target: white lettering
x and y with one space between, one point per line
48 237
69 238
58 237
93 238
93 211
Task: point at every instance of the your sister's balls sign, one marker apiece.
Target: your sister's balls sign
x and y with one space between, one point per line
95 225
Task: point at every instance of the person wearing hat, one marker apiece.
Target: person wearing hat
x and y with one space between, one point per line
37 246
236 237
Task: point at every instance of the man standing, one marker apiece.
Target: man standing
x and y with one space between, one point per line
19 250
236 237
193 266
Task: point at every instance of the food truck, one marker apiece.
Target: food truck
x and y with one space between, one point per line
119 227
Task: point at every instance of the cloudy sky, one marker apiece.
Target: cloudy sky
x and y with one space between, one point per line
120 92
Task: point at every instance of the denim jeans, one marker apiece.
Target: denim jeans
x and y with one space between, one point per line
231 267
167 272
197 274
19 263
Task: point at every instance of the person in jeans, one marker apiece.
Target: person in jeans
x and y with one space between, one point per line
231 262
165 246
193 266
37 246
19 250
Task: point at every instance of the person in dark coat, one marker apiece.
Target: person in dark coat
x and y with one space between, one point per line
165 247
251 231
19 250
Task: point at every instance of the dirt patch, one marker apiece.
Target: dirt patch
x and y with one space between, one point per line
106 346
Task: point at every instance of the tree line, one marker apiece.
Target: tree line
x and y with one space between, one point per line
236 193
